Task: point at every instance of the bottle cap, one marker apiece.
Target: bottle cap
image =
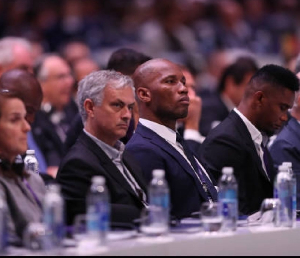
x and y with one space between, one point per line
287 163
227 170
283 168
158 173
30 152
98 180
53 188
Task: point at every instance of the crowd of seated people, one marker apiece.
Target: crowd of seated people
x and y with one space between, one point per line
137 114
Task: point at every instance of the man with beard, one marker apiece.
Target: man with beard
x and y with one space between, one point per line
162 97
240 140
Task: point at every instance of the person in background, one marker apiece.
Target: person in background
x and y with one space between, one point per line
22 192
216 106
188 127
162 98
106 100
16 52
240 140
57 110
26 87
125 61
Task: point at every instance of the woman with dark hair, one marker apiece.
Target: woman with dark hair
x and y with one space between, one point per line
22 192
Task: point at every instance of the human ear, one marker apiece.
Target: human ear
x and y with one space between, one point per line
89 107
143 94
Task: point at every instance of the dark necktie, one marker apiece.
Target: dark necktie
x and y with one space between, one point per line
205 181
267 161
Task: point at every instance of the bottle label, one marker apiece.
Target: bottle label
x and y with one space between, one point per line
98 217
31 165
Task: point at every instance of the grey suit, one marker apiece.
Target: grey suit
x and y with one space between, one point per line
22 206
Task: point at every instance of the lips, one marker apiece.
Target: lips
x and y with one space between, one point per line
185 100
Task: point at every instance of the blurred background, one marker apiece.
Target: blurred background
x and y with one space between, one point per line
201 34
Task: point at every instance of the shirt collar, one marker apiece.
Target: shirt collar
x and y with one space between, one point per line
254 132
114 152
163 131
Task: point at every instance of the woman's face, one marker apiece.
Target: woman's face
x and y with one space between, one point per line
13 128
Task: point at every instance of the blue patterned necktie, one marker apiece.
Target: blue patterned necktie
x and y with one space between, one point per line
205 181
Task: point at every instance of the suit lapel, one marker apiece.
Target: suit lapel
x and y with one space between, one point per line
160 142
247 139
107 164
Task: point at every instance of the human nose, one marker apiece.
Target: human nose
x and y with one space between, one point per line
26 126
284 117
127 112
183 88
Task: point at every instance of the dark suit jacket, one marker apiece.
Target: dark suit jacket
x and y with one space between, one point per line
154 152
286 147
46 137
83 161
213 109
230 144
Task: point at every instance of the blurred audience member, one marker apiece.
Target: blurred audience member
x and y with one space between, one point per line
162 97
25 86
57 110
22 192
73 51
15 52
239 141
216 106
106 100
188 127
81 68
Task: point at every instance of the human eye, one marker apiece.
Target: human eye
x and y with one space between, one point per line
130 107
118 105
284 107
170 80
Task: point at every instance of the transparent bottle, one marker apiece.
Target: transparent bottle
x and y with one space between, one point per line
228 197
159 203
31 163
98 211
54 217
3 226
285 189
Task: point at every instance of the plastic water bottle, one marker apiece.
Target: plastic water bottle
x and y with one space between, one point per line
31 162
159 204
285 190
228 197
3 226
98 211
53 216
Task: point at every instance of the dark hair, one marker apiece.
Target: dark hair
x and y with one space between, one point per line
238 70
277 76
126 60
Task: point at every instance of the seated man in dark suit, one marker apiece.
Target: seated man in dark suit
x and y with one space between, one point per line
125 61
162 98
286 147
106 100
240 140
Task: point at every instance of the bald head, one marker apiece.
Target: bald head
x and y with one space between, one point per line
25 86
161 91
